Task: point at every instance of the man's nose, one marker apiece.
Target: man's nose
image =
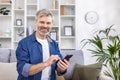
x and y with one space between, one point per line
45 25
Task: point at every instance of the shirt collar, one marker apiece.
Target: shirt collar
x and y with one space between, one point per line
34 37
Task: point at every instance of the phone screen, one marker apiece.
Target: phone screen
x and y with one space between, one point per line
67 57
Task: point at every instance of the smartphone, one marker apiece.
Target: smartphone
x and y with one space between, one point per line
67 57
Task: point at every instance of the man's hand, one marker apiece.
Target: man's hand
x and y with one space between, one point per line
63 65
35 68
52 59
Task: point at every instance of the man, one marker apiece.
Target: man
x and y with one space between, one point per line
38 56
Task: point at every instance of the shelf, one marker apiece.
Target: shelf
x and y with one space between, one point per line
31 4
18 26
5 42
31 10
68 5
5 15
25 10
68 37
67 44
5 48
31 1
18 9
67 16
31 16
16 42
54 10
55 26
3 37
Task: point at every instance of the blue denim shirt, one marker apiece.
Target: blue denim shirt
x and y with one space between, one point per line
29 51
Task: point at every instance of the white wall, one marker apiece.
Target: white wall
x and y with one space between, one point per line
109 13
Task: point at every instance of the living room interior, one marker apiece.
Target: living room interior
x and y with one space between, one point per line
75 20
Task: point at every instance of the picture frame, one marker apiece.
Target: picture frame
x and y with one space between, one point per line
19 22
68 31
53 35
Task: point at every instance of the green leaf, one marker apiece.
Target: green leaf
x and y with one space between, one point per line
107 50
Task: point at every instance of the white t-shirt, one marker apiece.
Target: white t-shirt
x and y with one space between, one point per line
46 54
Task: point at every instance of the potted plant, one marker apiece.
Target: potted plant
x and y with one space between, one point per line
20 33
106 48
4 11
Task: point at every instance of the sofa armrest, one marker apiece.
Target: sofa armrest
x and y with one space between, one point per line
8 71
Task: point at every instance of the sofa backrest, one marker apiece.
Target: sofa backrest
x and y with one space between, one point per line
76 58
5 55
13 56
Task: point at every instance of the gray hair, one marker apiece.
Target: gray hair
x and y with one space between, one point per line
43 12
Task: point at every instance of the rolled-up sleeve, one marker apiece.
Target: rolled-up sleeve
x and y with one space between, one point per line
22 56
25 71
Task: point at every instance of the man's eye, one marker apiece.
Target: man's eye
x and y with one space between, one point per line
48 23
41 22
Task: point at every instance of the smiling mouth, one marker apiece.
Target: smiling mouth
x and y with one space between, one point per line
44 30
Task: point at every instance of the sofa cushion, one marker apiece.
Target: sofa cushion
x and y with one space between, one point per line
12 55
76 58
4 55
87 72
8 71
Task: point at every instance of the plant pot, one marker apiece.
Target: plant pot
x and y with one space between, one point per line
5 13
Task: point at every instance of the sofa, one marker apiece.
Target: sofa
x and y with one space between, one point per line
8 64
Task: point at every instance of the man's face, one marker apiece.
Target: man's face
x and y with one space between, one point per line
44 24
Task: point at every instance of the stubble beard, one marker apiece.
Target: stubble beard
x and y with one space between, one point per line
42 33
